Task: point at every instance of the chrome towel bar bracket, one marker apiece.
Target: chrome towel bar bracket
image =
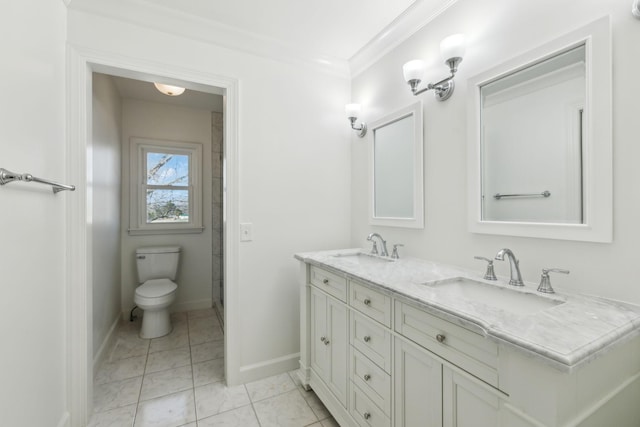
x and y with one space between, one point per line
8 176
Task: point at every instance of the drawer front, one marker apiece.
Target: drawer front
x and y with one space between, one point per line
374 304
372 339
372 380
468 350
330 283
364 411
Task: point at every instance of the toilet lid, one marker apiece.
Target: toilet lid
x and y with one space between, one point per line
155 288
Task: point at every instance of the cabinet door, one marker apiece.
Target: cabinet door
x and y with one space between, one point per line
337 345
329 342
467 402
418 387
319 350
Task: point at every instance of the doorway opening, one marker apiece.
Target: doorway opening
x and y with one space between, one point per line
84 237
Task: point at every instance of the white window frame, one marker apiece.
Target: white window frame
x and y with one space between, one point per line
138 149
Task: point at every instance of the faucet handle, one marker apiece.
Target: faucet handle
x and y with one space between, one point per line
554 270
490 273
545 281
394 253
374 248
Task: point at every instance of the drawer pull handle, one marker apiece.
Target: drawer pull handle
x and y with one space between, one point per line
325 281
367 301
367 377
366 415
367 338
440 338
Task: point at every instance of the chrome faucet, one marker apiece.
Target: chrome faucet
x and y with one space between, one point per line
383 243
516 278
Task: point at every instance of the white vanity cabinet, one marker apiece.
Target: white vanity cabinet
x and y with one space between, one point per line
369 372
418 387
329 340
467 402
379 358
436 385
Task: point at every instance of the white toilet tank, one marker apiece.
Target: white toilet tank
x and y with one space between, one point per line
157 262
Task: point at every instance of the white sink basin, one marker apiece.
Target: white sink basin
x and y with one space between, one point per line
364 258
494 296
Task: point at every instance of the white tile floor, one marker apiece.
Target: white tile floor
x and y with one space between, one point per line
178 380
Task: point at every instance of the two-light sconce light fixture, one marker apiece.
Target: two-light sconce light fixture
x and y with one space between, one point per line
452 50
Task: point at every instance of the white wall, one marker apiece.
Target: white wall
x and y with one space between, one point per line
105 183
143 119
293 174
32 223
498 30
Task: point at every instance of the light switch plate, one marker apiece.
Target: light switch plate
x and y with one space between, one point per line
245 232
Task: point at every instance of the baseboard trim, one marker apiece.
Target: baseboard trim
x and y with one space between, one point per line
101 354
279 365
65 420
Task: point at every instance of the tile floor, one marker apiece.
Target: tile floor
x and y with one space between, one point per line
178 380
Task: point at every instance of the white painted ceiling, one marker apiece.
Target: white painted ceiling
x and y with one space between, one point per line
339 28
146 91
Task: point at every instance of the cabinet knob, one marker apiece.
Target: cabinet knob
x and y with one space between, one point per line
322 339
367 377
325 281
326 342
367 338
440 338
366 415
367 301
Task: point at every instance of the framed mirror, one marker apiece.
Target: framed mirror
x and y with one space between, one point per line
540 157
395 169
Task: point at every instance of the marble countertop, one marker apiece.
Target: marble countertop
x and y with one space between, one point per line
573 330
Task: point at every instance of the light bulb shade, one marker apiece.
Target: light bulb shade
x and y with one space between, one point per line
352 110
169 90
414 70
452 47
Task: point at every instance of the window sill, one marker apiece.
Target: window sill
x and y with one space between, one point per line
165 230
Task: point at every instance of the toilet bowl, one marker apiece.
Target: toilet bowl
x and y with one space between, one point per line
154 297
157 267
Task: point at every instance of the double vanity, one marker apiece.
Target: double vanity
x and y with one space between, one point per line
408 342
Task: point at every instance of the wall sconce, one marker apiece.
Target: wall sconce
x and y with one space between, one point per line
452 50
169 90
353 111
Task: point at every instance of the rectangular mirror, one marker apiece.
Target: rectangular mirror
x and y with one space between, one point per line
395 169
540 141
531 142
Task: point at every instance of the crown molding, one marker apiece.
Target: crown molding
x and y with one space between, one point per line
402 28
147 14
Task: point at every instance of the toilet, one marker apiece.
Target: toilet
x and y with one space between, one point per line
157 267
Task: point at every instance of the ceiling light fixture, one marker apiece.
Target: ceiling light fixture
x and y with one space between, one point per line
169 90
452 49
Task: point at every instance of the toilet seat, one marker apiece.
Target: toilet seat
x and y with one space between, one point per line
156 288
